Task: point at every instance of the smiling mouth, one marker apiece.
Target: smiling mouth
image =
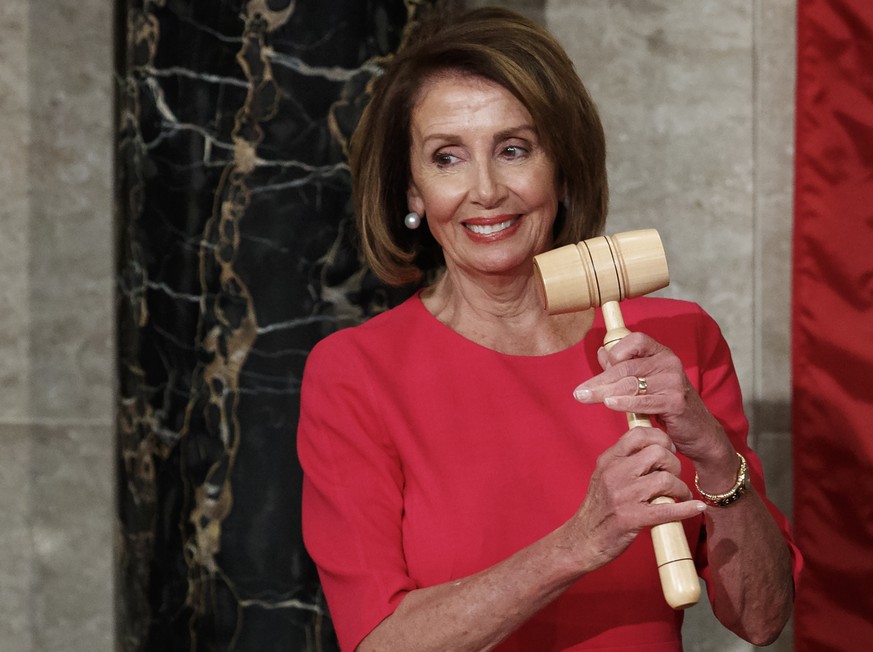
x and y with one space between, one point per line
488 229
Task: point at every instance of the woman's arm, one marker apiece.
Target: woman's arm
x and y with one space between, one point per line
477 612
750 570
750 564
353 508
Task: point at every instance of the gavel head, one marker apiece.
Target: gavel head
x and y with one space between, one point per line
605 268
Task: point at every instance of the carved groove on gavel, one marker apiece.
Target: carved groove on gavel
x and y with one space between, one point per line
601 272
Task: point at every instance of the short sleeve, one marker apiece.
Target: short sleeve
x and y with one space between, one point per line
352 492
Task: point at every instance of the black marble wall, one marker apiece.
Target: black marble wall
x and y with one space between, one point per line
234 256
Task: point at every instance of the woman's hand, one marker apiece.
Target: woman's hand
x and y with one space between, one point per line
750 566
636 469
669 396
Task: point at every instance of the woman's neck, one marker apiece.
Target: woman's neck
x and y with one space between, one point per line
503 314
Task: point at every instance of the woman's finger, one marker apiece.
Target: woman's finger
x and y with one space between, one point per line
636 440
597 392
634 345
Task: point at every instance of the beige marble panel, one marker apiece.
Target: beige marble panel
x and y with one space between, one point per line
696 98
70 172
775 67
16 549
56 491
673 80
775 73
775 39
16 559
72 521
56 543
14 211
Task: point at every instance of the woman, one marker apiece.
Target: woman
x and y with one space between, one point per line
458 494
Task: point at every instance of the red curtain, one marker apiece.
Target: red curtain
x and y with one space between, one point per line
832 329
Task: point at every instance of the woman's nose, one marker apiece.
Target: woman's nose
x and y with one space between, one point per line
488 188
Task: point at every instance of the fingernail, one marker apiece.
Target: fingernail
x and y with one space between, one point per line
582 394
609 401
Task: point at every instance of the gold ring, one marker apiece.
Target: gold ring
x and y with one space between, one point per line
642 386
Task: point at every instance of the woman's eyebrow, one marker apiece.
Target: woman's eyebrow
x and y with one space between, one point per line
440 136
509 132
512 132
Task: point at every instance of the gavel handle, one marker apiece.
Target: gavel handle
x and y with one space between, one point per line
679 580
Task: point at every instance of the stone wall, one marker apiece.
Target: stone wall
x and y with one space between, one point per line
56 326
697 99
696 96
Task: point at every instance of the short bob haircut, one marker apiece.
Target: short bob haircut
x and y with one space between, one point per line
506 48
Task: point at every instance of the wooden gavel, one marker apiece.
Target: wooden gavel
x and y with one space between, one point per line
601 272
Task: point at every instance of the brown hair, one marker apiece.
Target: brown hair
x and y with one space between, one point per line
505 48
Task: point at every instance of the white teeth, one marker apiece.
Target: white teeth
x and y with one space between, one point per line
488 229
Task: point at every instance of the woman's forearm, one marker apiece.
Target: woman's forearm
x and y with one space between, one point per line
750 569
479 611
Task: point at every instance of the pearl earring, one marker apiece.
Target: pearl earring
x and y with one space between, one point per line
412 220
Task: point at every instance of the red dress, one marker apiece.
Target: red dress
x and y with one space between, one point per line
428 457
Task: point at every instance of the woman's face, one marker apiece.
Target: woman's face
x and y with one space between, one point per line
481 176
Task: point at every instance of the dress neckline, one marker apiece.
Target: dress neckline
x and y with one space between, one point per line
448 333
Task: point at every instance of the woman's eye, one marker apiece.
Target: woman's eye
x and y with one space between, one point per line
443 159
514 151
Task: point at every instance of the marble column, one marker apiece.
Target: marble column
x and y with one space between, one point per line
234 257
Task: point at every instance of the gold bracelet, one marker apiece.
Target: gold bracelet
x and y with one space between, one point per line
734 494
